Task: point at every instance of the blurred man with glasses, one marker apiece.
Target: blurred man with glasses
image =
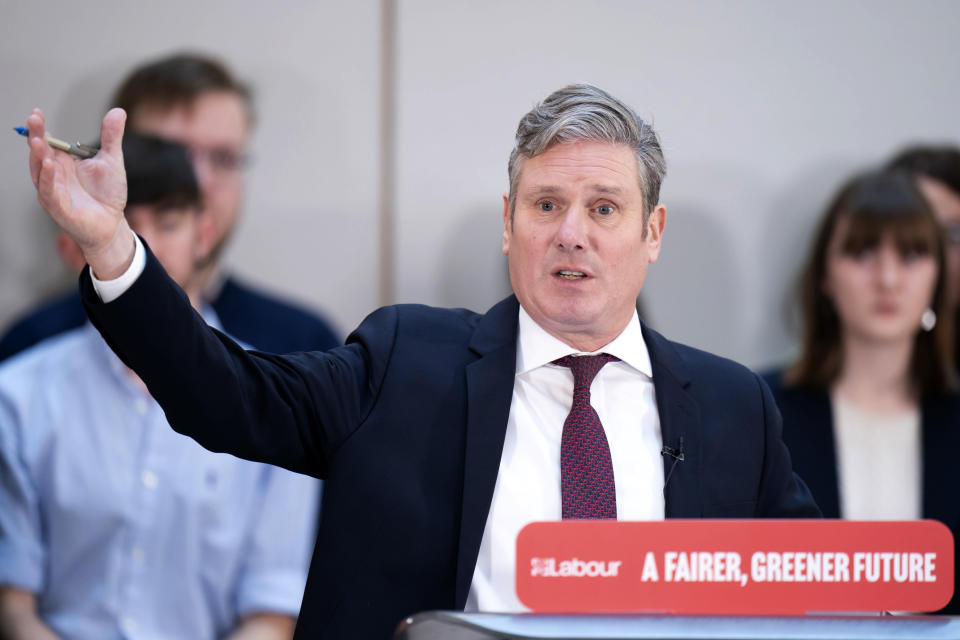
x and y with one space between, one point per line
197 102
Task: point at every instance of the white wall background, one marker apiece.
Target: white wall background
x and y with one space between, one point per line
763 109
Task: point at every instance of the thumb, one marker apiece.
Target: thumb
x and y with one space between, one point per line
111 131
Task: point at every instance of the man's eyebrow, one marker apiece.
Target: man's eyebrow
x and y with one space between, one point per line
606 189
543 189
548 190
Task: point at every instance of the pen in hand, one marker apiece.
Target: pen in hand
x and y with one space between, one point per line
77 149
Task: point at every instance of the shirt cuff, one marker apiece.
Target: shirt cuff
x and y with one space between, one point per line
275 591
110 290
22 563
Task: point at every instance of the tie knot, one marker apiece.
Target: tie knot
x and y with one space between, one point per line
585 368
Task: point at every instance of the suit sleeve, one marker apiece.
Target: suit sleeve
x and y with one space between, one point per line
782 493
293 411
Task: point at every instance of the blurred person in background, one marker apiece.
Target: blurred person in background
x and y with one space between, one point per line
111 524
937 171
197 102
871 413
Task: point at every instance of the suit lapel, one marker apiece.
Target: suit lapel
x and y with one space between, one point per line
489 392
680 427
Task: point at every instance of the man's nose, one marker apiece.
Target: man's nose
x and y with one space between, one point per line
204 172
572 233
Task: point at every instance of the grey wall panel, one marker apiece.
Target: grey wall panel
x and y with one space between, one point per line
309 227
763 108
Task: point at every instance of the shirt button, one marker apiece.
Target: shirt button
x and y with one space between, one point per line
138 554
150 479
142 406
129 625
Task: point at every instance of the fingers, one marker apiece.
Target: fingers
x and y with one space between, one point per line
50 190
45 170
38 147
36 123
36 158
111 132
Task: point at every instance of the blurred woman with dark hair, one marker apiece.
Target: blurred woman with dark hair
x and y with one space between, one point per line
870 409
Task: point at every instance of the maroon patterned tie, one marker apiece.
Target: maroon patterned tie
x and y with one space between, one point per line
587 488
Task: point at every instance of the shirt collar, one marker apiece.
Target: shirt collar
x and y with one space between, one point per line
536 347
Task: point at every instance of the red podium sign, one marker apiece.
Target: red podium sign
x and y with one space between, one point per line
783 567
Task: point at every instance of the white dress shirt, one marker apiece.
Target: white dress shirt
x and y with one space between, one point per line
528 482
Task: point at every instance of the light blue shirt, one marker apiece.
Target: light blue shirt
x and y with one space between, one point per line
124 528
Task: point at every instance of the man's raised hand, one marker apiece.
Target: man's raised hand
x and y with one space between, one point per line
86 198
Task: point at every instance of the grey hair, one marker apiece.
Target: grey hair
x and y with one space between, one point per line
584 112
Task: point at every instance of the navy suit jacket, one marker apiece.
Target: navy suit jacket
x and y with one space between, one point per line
247 314
407 422
808 432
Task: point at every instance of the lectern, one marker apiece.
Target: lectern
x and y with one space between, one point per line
445 625
718 579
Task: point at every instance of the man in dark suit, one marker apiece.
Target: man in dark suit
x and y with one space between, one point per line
197 102
442 432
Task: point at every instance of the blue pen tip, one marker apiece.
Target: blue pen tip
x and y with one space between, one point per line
21 130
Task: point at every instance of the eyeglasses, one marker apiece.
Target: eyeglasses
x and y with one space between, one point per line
220 160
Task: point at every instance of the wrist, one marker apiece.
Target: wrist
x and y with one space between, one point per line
111 261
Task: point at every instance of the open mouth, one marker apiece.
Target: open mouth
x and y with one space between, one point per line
571 275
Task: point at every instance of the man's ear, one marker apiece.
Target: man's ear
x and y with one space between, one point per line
506 224
655 226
